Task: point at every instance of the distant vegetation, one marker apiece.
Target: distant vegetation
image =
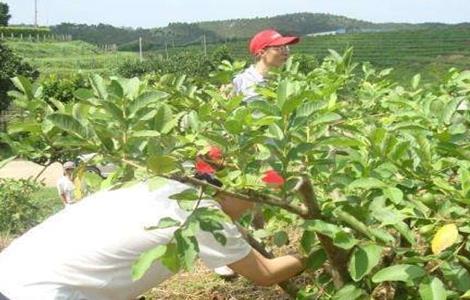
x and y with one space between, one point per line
431 52
183 34
68 57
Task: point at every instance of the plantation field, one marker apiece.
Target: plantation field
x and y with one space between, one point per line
68 57
429 52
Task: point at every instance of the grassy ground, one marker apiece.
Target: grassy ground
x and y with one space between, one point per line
203 284
68 57
48 202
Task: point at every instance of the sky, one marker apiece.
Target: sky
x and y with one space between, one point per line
158 13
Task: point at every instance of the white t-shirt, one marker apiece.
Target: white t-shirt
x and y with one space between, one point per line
245 83
87 251
66 186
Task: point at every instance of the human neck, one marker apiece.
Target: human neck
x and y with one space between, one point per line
262 68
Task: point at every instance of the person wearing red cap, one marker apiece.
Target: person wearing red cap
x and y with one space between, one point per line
270 50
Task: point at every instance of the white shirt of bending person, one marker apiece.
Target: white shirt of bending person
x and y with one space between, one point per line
245 83
88 250
66 187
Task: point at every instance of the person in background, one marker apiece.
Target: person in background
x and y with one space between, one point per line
270 50
65 185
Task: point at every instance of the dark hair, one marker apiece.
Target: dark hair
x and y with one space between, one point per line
209 178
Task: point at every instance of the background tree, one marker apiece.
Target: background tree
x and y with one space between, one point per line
4 14
11 65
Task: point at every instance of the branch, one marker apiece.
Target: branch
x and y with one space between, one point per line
251 197
338 257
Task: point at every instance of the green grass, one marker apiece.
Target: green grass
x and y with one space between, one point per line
48 201
68 57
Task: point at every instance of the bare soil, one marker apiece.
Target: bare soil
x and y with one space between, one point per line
22 169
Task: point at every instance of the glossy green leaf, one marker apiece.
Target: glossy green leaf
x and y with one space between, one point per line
146 260
433 290
363 260
406 273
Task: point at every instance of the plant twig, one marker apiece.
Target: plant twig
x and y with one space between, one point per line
338 257
251 197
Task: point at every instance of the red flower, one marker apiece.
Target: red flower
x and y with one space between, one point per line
272 177
204 168
214 153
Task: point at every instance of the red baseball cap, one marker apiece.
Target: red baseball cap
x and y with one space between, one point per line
270 37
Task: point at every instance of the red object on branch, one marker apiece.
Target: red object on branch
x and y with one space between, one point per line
272 177
204 168
215 153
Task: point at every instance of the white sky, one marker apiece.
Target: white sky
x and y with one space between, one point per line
158 13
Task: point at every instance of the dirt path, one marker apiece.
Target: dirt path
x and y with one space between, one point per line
22 169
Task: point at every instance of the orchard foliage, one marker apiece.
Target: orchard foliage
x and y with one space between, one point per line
11 65
376 175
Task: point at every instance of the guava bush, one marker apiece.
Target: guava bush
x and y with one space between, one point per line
375 175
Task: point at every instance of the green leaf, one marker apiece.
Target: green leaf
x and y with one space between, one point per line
233 126
316 259
24 85
405 273
190 194
166 222
161 164
59 105
344 240
336 233
433 290
188 248
290 105
450 109
367 184
280 238
171 259
30 126
405 231
363 260
163 119
275 132
97 82
69 124
145 100
394 194
349 292
327 118
115 112
145 133
145 261
464 173
308 240
283 91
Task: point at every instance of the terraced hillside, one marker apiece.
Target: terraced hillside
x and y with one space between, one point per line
430 52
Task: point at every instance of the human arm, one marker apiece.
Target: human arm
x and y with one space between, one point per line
264 271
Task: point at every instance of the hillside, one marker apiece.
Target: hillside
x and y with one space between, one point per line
181 34
428 51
